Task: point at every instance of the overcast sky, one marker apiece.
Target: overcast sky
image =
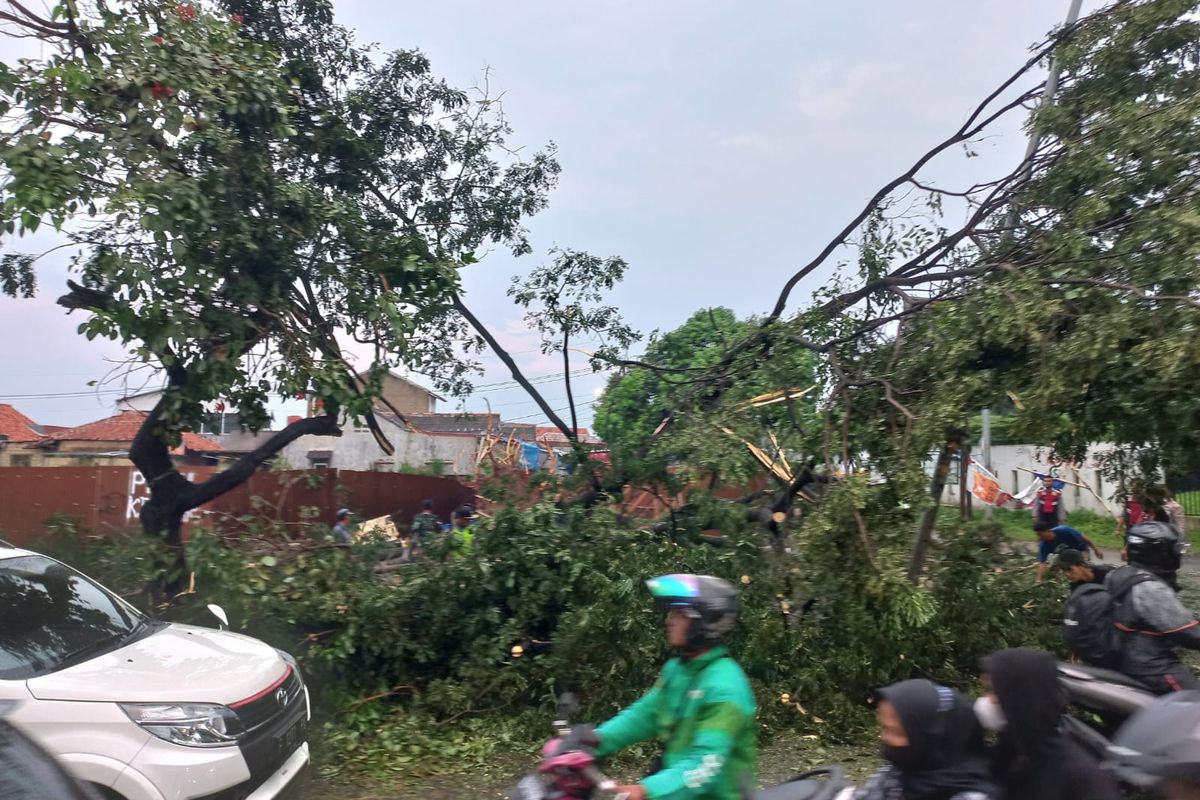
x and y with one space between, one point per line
715 146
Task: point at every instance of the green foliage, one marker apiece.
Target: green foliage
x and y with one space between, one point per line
124 561
242 182
1094 327
642 399
420 672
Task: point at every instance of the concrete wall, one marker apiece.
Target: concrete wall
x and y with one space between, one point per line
358 450
1012 465
408 398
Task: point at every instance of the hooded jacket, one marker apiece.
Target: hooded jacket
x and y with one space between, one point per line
944 759
702 711
1034 759
1152 623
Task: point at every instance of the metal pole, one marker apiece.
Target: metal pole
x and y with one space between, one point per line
985 447
1035 135
1035 139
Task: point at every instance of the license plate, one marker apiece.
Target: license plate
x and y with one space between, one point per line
292 738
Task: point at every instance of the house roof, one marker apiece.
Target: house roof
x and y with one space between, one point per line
473 424
122 428
18 427
555 436
397 377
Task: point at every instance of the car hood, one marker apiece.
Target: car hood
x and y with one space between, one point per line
177 664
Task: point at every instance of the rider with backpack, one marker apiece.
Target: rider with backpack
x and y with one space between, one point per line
1078 571
1134 621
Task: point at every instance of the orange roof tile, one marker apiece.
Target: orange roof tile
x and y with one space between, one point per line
16 426
122 428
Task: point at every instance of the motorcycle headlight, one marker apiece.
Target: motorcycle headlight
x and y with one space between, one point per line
188 724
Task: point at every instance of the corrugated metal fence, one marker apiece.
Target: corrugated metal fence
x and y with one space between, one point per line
109 498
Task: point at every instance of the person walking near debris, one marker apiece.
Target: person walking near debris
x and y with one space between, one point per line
341 530
425 526
462 534
1056 537
1078 571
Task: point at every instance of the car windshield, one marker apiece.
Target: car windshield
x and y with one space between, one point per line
54 617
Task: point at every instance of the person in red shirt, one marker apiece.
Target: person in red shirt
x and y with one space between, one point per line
1048 504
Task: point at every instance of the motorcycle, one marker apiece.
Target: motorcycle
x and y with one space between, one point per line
568 770
1102 699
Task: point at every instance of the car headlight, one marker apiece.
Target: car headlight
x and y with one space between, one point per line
188 724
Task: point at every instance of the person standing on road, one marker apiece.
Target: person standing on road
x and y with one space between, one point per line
462 533
1048 504
1034 759
1055 537
933 746
425 526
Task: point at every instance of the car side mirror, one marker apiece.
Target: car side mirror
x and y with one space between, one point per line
219 613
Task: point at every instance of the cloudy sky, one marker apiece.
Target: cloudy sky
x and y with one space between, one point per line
714 145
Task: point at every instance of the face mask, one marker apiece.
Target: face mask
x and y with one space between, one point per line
903 758
990 715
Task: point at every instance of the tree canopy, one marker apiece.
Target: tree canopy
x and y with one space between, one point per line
241 183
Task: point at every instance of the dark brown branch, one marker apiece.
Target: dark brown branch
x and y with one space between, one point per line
36 29
244 467
916 561
567 373
513 369
45 23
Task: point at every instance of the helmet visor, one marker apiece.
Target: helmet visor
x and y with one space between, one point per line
675 591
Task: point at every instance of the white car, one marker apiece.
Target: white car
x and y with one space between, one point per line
141 709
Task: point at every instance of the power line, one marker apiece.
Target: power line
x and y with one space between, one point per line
556 410
52 395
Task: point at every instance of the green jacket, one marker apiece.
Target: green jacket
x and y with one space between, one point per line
703 713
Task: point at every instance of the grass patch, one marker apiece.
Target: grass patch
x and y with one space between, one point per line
1017 524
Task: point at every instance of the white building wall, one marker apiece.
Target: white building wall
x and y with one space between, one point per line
358 450
1014 465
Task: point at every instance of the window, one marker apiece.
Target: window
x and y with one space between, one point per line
21 461
54 617
318 463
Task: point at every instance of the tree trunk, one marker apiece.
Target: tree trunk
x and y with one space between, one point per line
916 563
172 495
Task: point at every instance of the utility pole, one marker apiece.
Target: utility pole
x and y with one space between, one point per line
985 447
1035 139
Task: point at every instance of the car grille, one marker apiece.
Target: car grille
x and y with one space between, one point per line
261 708
274 720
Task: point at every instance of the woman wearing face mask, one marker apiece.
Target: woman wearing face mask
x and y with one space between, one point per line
1034 758
932 744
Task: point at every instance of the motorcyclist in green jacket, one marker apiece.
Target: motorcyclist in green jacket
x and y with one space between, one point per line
701 708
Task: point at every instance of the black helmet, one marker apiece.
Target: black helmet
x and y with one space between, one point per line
1154 546
713 600
1160 742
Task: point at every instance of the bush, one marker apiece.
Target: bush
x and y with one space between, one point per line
450 660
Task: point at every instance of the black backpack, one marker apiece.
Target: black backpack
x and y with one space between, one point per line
1089 624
